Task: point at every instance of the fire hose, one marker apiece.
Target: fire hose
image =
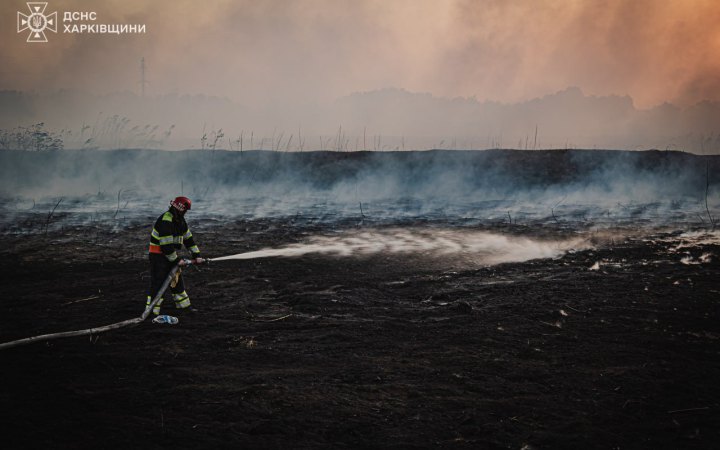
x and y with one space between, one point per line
93 331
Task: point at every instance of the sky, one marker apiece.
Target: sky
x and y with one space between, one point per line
303 52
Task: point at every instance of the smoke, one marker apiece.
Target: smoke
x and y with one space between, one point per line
573 188
519 50
277 55
286 54
388 119
292 74
481 248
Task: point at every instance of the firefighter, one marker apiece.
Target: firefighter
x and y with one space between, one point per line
168 236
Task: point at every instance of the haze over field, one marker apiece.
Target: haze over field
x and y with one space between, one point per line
372 74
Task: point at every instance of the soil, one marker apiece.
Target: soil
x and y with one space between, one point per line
374 351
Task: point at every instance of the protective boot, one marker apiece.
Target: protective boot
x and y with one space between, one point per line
182 300
156 308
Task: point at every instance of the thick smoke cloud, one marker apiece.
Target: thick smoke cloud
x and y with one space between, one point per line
288 54
653 51
313 74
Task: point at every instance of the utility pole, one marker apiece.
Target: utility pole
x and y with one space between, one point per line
142 76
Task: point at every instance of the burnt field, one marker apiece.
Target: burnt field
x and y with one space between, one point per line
571 302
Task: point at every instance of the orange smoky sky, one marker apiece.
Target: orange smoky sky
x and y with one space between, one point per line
284 52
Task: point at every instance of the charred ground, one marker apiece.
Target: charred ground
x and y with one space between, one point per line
382 350
372 351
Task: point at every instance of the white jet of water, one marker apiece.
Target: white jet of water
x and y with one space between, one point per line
482 247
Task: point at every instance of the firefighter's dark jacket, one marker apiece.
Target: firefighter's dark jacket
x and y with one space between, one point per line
168 236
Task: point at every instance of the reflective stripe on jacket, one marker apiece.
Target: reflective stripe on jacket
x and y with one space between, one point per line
168 236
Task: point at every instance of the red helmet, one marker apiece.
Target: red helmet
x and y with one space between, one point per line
182 204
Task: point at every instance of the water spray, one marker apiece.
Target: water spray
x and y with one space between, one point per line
482 247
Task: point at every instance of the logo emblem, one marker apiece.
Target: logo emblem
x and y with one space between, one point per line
37 22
